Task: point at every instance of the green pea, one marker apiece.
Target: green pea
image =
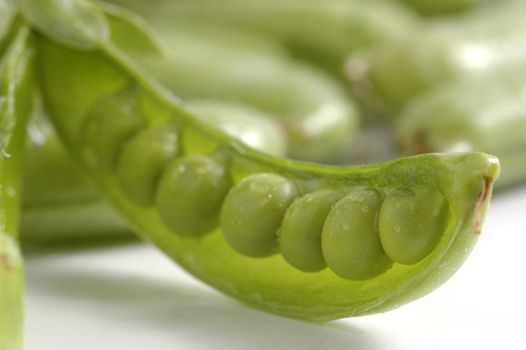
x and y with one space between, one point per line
300 239
350 241
190 194
411 223
253 211
143 160
431 8
108 125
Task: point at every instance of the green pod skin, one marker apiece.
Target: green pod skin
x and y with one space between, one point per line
269 283
471 114
387 76
300 237
190 194
15 106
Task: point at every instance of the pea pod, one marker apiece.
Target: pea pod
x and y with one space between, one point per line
322 31
430 8
59 201
250 194
471 114
207 62
7 15
388 75
15 98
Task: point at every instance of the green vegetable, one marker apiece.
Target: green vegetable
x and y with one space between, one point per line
350 239
389 75
411 222
321 31
251 126
190 193
100 84
471 114
262 195
299 239
441 7
15 102
7 17
60 202
311 109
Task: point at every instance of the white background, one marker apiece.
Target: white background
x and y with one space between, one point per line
131 297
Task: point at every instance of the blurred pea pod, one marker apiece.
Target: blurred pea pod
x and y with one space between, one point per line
15 101
203 61
486 113
7 17
322 31
390 74
218 200
441 7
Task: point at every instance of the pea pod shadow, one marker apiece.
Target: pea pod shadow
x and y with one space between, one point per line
159 313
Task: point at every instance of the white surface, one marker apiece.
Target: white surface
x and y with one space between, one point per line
132 297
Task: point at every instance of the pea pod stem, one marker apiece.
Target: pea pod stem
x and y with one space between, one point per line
243 178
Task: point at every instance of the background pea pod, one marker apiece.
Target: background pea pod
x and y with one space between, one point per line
15 98
388 75
7 15
471 114
324 32
430 8
59 201
210 192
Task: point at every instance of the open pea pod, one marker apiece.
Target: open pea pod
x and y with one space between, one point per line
321 31
15 102
297 239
